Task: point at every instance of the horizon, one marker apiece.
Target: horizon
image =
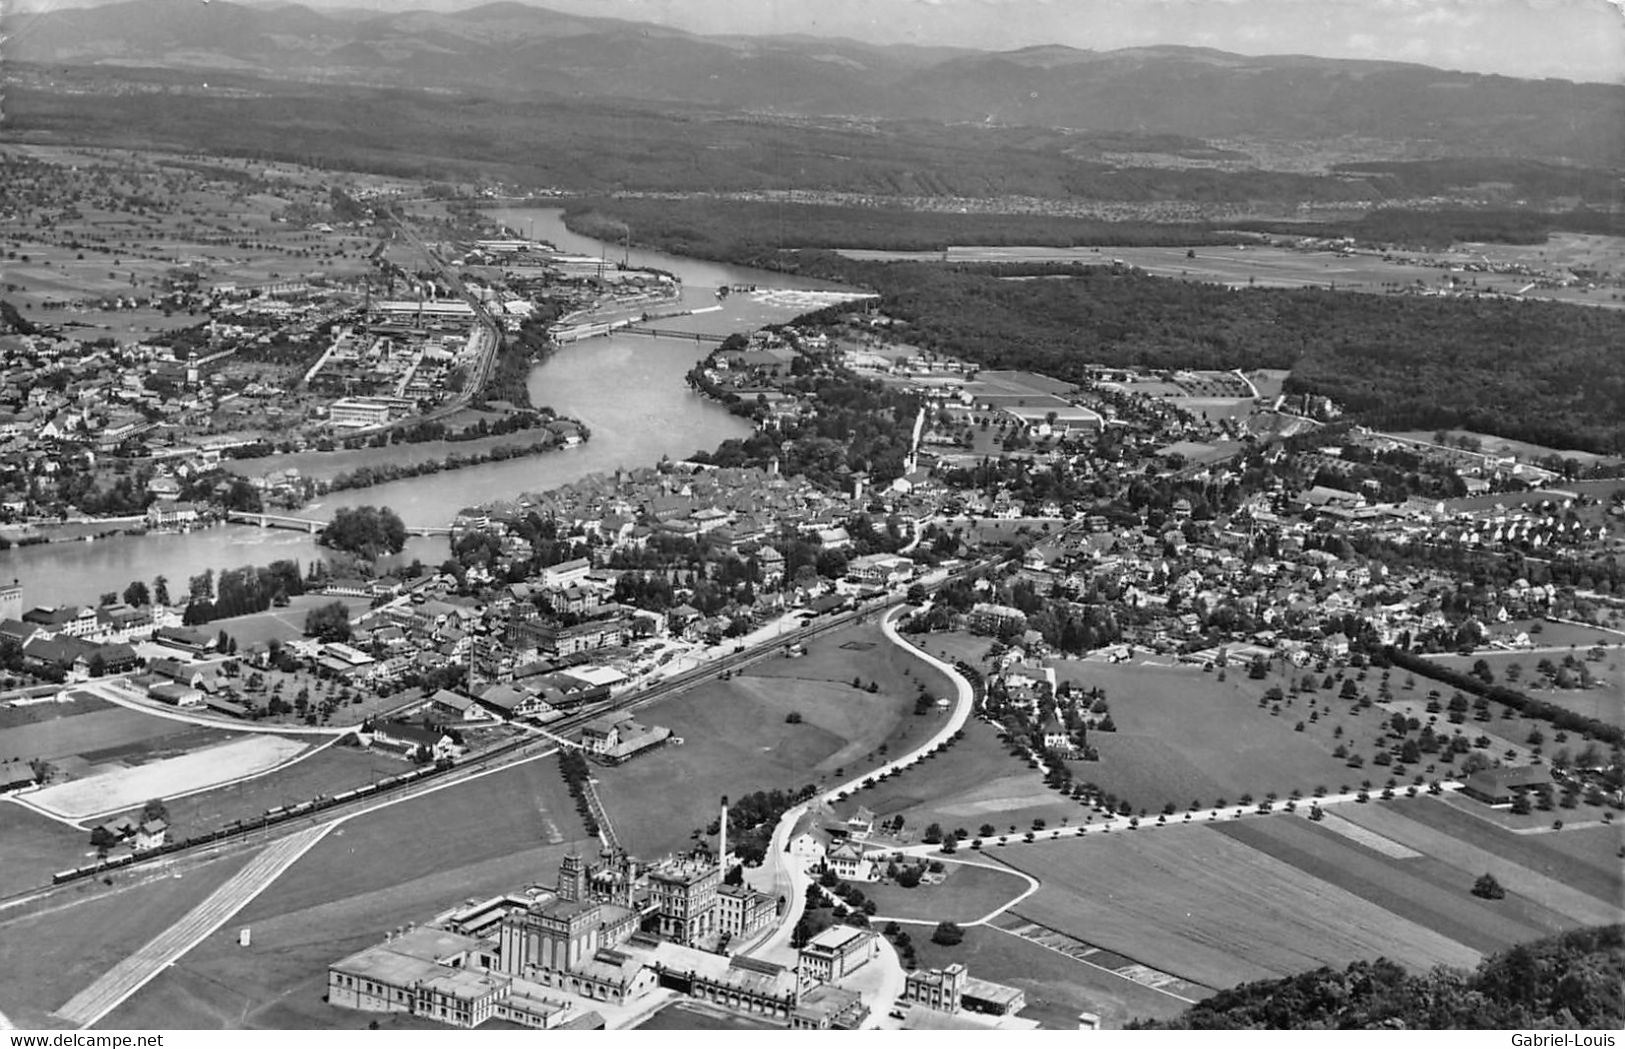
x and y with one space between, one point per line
1578 40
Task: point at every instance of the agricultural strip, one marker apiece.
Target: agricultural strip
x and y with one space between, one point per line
1427 892
112 791
1202 906
1453 848
1585 864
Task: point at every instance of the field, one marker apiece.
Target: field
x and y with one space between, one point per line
331 770
1254 265
103 249
36 847
15 714
1184 736
1605 700
1246 916
975 781
111 792
1057 987
968 893
85 733
377 872
1523 451
50 955
736 739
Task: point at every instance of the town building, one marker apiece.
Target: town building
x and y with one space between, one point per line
836 952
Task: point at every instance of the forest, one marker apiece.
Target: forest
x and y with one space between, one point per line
1566 982
1534 371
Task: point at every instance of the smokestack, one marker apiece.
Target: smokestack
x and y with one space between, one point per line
722 837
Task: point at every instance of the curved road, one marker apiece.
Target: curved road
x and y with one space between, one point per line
791 879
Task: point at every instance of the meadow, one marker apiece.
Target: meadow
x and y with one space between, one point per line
1195 903
975 781
88 732
737 739
331 770
52 953
968 892
36 847
1183 735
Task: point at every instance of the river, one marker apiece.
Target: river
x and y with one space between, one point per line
628 389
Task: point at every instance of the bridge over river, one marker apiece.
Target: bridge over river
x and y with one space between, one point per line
311 525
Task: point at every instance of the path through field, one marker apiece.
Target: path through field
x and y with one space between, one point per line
133 973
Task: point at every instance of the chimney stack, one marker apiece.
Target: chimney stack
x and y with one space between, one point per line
722 838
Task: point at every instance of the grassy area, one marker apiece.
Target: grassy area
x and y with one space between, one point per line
53 953
281 624
1427 891
19 714
1057 987
329 771
97 730
975 781
404 863
36 847
1246 916
1582 884
971 648
969 893
1183 735
1605 700
736 739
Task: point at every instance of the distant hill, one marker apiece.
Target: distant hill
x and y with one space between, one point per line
512 50
1568 982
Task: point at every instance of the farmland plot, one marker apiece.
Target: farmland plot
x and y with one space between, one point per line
1194 903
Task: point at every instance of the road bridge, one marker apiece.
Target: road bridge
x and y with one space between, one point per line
312 525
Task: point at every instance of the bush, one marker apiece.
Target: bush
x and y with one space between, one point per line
1486 887
947 934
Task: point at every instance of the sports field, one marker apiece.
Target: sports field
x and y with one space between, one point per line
968 892
736 739
1193 902
111 792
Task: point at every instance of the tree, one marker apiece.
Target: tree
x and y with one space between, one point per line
367 531
155 809
947 934
160 591
1488 888
329 622
933 834
916 594
136 594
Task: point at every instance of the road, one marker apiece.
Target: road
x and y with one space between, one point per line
789 878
